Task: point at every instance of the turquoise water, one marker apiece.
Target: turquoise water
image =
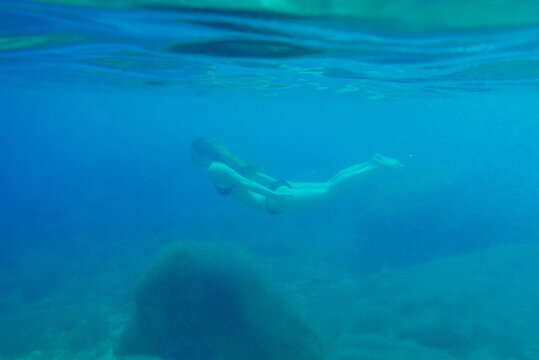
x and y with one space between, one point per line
99 108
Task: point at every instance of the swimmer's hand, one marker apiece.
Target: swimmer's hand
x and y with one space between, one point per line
286 198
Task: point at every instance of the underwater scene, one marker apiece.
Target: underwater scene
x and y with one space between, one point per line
269 179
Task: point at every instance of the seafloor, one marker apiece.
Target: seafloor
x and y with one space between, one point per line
481 305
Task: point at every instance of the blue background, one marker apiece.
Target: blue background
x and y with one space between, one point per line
96 125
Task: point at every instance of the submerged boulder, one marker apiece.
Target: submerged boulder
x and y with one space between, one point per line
206 301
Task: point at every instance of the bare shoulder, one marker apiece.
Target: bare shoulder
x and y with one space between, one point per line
223 175
221 172
217 167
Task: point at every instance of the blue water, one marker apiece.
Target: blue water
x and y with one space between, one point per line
98 111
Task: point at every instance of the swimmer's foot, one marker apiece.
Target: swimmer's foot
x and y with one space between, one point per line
386 162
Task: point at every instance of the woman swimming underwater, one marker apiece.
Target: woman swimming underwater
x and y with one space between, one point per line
246 183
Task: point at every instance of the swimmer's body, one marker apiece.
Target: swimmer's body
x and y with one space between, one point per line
247 184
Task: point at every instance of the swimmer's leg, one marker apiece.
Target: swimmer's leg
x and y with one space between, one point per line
355 174
308 195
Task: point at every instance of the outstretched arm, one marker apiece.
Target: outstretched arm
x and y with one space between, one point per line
264 179
225 176
256 187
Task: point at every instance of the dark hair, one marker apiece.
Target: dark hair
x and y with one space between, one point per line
212 148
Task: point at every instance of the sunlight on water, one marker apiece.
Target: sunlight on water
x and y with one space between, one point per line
24 42
410 15
157 47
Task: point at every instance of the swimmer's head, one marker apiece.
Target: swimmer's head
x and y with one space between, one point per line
205 150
